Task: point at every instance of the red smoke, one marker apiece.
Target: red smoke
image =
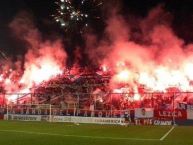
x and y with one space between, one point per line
158 60
44 59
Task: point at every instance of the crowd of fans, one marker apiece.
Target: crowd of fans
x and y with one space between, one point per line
92 91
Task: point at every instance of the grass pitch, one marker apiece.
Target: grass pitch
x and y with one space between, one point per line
42 133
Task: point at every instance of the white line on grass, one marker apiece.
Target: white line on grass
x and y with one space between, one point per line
167 133
80 136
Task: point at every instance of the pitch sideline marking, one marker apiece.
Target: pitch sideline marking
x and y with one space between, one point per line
79 136
167 133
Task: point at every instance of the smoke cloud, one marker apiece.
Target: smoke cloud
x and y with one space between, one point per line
159 60
43 60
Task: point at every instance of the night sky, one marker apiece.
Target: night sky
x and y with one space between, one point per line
181 10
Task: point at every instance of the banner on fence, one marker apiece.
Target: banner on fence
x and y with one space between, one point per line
162 122
68 112
23 117
95 120
144 113
139 113
72 119
169 114
185 106
190 114
1 117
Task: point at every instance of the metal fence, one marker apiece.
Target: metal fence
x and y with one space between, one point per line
176 107
102 101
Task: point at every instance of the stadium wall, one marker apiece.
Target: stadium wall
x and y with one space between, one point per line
138 116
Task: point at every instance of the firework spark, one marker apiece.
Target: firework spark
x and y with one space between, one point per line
3 55
77 15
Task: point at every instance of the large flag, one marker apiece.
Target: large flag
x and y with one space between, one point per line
190 114
144 113
170 114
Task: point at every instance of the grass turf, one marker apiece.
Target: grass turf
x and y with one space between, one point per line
42 133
